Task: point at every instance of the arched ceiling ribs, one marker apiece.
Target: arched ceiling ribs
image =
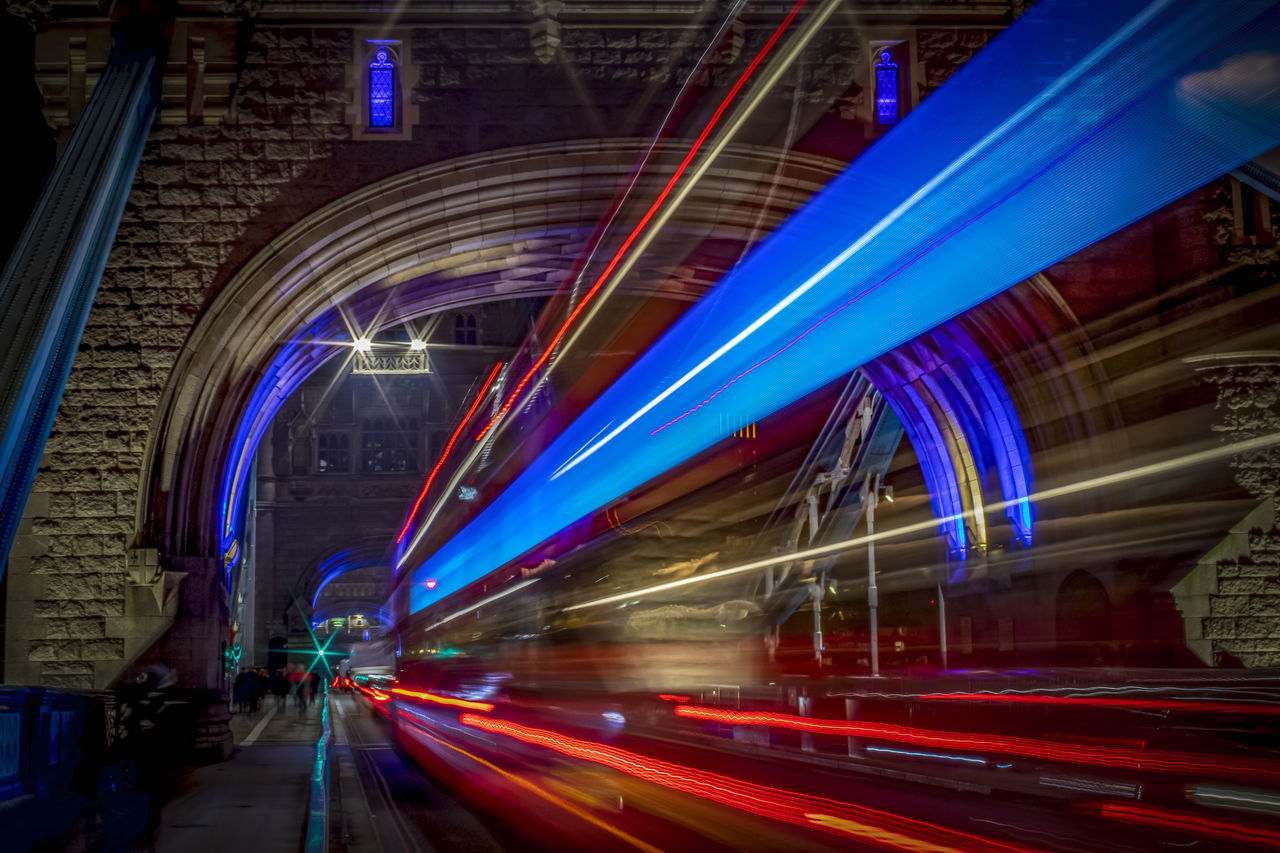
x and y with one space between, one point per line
370 555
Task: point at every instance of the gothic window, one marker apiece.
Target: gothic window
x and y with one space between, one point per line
382 89
1252 218
333 453
465 330
388 446
887 111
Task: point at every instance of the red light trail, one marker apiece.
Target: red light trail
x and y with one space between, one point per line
444 700
1196 824
1066 753
1116 702
644 220
419 731
882 829
475 404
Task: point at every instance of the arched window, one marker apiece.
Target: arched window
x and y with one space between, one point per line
464 329
382 89
886 89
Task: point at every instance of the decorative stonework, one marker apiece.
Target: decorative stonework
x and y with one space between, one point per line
1231 601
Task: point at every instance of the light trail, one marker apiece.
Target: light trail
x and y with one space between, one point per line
419 731
648 214
1121 757
882 829
1128 154
1198 825
1141 472
437 699
448 448
1110 702
773 73
464 611
1088 62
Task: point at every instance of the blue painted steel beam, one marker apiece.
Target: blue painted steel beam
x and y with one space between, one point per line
1082 117
48 285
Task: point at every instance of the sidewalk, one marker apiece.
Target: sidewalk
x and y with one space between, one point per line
257 800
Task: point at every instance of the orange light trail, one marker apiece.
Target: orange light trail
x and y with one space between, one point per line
644 220
844 819
1196 824
419 731
475 404
1116 702
444 700
1067 753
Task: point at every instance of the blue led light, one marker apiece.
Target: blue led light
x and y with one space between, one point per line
940 756
1010 166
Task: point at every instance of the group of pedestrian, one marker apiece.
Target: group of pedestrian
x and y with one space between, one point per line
251 688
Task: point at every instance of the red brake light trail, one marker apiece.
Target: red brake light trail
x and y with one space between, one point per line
1198 825
475 404
644 220
1118 702
882 829
1066 753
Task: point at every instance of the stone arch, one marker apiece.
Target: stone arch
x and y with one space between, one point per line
443 236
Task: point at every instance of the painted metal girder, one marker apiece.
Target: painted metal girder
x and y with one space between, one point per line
48 285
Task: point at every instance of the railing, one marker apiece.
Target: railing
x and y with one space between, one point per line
41 740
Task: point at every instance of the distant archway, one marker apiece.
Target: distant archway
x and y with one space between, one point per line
1082 618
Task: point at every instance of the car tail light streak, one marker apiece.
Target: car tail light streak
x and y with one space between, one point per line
1194 824
1118 702
1126 758
883 829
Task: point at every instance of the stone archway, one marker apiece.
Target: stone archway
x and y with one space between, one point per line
480 228
1082 619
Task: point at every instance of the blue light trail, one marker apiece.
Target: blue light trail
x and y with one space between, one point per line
1079 119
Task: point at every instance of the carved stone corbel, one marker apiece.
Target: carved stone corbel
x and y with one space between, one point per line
544 29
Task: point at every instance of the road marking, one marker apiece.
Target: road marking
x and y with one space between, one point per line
257 730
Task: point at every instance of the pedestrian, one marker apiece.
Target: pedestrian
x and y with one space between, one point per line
280 687
240 690
315 686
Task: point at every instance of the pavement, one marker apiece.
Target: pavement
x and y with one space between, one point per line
257 800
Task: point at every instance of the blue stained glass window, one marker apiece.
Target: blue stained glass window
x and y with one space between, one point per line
886 89
382 90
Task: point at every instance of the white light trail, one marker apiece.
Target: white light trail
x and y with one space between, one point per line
1095 56
1141 472
464 611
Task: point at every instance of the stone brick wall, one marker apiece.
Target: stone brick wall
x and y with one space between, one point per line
941 51
196 191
